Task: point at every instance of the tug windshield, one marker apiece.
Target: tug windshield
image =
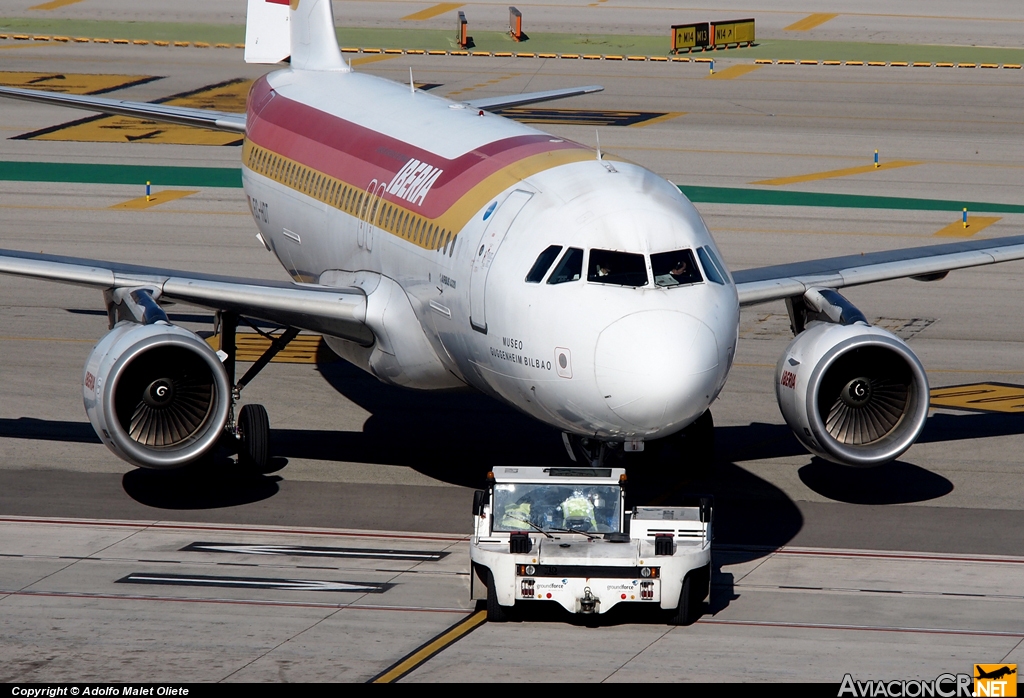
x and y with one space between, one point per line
588 508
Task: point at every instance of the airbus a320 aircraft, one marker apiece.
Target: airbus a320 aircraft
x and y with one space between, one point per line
437 245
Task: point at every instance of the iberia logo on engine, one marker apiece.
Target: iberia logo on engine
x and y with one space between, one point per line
788 379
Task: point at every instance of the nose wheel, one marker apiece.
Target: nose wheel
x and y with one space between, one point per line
584 451
698 443
690 452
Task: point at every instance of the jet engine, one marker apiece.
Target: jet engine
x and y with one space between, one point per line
156 394
852 393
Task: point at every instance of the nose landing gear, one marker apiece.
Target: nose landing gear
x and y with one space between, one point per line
691 450
586 451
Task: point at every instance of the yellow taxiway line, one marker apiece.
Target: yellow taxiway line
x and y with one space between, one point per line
434 11
160 197
975 224
810 22
837 173
734 71
658 119
372 59
250 347
981 397
55 4
431 648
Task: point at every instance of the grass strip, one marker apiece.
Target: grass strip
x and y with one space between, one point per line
538 42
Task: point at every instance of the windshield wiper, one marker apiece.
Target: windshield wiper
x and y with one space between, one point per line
591 536
530 523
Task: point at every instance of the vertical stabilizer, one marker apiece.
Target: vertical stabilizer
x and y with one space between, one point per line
314 41
267 38
302 29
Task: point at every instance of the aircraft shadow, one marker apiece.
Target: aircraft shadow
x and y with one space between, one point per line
455 437
892 483
48 430
213 483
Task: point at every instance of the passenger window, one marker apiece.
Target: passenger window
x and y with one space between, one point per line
570 268
619 268
543 263
713 267
675 268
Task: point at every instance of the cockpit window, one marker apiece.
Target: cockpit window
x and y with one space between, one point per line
712 266
569 268
675 268
620 268
543 263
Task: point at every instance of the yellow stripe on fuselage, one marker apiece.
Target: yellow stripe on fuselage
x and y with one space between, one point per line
428 233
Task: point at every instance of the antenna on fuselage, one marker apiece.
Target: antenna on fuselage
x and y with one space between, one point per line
412 85
607 165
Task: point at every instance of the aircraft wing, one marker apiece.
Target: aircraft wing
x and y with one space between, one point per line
505 101
340 312
235 123
205 118
929 263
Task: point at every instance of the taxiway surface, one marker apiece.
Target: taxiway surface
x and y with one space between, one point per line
789 583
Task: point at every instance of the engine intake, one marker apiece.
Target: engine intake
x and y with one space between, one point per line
852 394
157 395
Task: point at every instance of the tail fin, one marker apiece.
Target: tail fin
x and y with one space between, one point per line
305 32
266 31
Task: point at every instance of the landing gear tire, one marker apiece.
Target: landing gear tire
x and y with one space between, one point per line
690 453
586 452
496 613
253 437
696 588
699 440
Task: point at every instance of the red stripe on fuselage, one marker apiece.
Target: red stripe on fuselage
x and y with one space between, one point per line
358 155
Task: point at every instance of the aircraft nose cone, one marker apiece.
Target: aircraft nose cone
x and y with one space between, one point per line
655 368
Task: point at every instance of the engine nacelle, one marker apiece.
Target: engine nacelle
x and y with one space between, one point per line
157 395
853 394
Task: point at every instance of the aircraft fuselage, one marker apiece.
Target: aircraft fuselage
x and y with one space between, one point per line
357 180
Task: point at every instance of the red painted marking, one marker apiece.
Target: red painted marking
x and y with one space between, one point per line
866 628
904 556
279 2
231 602
90 380
241 529
871 554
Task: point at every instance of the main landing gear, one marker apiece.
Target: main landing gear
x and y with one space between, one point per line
252 428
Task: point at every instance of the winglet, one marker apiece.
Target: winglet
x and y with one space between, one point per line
303 29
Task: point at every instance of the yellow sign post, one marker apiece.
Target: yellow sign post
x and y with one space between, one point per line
708 35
